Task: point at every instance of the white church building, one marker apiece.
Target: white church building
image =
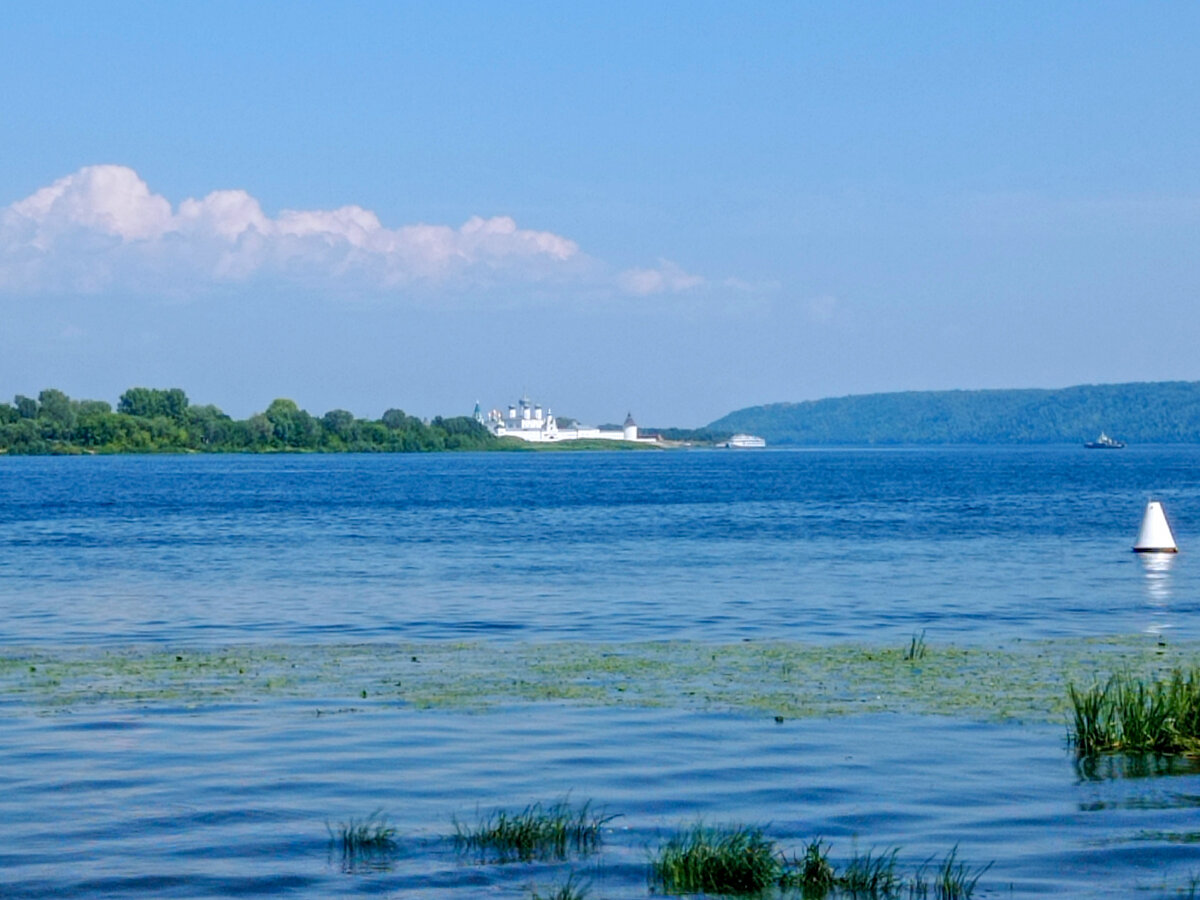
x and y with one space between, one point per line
529 422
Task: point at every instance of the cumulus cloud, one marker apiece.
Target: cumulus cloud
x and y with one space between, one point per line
667 277
103 228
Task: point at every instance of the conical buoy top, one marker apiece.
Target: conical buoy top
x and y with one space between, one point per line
1155 534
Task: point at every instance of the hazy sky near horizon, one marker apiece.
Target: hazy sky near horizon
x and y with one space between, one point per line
674 208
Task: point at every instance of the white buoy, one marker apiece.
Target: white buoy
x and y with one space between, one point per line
1155 534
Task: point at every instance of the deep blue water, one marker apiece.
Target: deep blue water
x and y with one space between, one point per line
973 545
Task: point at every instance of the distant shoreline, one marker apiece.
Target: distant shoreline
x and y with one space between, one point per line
1164 412
153 421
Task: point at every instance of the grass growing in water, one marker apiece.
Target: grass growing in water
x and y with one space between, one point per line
371 833
740 860
916 647
871 876
736 860
363 842
536 832
568 890
1127 713
812 873
953 879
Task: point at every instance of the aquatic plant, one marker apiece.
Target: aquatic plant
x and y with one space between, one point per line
364 843
1132 714
812 873
916 647
358 835
868 875
955 880
536 832
568 890
734 860
1024 681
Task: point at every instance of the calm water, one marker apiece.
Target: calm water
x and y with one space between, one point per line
975 546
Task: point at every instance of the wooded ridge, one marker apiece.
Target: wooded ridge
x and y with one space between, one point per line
1163 412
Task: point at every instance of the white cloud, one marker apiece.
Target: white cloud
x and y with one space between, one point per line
102 228
667 277
110 200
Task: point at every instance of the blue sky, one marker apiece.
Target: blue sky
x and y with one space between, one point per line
678 209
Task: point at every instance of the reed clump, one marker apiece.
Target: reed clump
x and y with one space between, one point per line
371 833
536 832
740 861
954 879
811 873
870 875
736 860
571 889
1132 714
368 842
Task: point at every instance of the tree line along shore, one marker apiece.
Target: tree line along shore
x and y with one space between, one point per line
149 420
152 420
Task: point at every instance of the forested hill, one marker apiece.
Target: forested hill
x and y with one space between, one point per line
1145 412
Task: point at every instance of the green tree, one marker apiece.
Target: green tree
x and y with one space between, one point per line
208 427
150 402
23 436
55 409
27 407
400 420
291 426
90 407
339 422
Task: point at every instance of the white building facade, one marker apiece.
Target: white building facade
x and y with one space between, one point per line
528 421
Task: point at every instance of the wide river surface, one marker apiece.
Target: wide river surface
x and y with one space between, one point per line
113 568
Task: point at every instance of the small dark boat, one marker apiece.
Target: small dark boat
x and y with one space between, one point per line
1104 442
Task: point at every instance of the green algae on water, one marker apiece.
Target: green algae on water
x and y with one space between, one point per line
1017 681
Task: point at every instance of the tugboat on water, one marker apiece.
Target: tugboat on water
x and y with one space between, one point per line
1104 442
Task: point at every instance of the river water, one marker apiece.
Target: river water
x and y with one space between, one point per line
112 796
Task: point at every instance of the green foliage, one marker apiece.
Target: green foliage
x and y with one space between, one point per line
27 407
364 843
955 880
916 647
812 873
148 403
536 832
571 889
737 860
150 420
1145 412
1131 714
868 875
56 411
687 435
371 833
